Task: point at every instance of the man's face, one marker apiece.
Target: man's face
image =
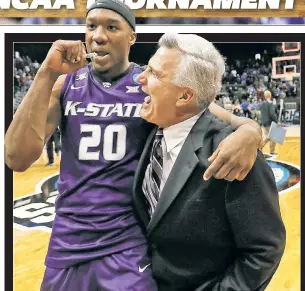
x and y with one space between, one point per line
110 36
156 80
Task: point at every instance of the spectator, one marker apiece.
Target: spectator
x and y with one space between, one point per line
237 108
245 107
55 138
268 115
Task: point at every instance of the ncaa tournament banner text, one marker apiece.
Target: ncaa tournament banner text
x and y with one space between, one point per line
159 8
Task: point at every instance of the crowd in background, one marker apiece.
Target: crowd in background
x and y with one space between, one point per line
156 20
41 21
24 72
244 83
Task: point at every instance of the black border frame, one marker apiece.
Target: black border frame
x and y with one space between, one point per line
10 38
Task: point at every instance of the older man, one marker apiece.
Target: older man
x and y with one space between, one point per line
203 235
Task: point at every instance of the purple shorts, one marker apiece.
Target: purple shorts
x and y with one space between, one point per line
126 271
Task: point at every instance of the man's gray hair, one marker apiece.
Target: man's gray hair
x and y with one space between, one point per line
201 67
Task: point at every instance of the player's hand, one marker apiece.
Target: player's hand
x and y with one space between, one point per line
234 157
65 56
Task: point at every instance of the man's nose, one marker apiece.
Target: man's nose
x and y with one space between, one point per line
141 78
100 35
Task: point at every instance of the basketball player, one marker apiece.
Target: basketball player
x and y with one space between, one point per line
96 241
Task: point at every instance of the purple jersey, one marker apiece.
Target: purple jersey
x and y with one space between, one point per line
102 140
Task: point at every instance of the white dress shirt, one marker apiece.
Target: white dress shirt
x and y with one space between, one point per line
172 142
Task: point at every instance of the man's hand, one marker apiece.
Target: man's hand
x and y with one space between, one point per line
64 57
235 155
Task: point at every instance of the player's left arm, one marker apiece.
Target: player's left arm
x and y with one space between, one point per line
236 154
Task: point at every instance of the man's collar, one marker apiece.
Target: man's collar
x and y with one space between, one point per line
175 134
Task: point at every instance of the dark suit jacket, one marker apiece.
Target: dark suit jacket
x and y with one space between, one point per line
268 113
211 235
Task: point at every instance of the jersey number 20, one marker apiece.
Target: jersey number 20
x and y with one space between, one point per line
114 135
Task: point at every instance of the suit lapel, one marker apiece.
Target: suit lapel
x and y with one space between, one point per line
138 196
186 162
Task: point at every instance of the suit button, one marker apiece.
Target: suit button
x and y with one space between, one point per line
154 246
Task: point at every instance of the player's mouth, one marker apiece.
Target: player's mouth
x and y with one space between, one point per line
101 55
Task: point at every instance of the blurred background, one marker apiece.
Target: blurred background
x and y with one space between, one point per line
163 21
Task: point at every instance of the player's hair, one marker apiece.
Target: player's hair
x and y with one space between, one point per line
201 67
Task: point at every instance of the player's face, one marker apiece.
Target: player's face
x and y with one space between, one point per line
161 105
110 36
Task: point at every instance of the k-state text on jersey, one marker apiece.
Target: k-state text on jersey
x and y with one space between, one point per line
103 110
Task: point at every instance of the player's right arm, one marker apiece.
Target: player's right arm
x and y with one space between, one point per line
39 113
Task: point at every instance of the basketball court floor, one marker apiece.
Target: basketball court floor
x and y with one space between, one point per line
33 216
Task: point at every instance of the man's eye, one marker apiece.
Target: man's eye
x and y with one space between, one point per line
112 28
153 73
150 71
91 26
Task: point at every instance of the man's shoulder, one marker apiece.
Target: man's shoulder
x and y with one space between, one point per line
218 126
265 105
79 75
212 130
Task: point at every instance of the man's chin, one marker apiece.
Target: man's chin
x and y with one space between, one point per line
142 114
145 115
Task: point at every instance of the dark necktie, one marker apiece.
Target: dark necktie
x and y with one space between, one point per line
153 174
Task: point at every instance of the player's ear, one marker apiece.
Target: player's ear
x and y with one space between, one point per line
132 38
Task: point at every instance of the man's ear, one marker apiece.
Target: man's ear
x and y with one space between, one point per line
133 38
187 97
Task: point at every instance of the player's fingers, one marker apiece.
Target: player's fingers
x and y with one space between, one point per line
74 53
82 56
212 169
80 51
223 171
243 174
69 53
233 174
83 48
214 155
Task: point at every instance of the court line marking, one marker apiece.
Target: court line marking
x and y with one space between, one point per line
39 184
290 189
37 187
38 190
21 227
292 140
289 164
